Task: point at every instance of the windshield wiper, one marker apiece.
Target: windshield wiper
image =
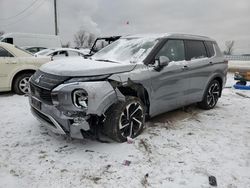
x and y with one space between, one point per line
106 60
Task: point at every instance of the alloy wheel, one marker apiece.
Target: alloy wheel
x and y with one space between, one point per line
24 85
131 120
213 94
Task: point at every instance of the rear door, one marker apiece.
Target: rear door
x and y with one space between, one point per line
7 63
198 67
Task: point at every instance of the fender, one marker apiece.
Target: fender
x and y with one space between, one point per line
101 95
14 72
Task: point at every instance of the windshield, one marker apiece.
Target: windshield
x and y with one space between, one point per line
127 50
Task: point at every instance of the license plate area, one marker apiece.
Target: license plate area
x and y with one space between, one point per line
36 103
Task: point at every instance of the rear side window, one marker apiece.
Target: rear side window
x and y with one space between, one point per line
5 53
8 40
195 49
173 49
210 48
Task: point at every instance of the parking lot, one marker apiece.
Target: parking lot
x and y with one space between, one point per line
181 148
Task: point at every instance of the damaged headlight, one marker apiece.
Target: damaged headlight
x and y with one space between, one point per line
87 78
80 98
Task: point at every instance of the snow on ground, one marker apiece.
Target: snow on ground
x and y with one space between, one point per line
177 149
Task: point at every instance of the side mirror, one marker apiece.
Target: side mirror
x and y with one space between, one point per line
162 62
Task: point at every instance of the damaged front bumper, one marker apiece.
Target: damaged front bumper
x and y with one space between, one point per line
63 117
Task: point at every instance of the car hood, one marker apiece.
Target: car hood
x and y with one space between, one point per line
84 67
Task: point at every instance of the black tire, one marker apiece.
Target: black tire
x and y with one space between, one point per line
116 116
20 84
211 95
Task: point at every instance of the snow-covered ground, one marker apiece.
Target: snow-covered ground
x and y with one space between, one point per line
177 149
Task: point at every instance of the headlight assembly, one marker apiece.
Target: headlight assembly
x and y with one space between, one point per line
80 98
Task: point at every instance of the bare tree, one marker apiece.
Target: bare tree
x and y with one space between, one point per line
66 45
80 38
91 40
229 47
1 33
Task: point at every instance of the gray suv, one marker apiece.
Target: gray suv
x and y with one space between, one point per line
133 78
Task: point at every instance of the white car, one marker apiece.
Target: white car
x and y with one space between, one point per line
16 67
60 53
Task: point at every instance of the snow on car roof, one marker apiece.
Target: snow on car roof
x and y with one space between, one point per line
169 35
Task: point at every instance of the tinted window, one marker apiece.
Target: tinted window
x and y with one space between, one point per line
8 40
5 53
173 49
63 53
195 49
32 50
210 48
40 48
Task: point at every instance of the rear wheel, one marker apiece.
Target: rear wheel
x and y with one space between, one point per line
21 83
125 119
211 96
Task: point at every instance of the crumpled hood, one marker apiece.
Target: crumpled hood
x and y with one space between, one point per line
84 67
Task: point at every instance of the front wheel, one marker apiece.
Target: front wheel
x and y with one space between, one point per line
211 96
125 119
21 83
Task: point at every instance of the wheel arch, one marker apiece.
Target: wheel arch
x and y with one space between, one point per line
136 90
20 73
214 77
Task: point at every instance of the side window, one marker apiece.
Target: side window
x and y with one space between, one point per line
210 48
195 49
72 53
54 54
63 53
8 40
32 50
173 49
5 53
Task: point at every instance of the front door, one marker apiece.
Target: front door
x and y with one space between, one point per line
6 64
169 84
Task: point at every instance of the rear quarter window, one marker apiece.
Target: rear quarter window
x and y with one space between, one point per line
195 49
5 53
210 48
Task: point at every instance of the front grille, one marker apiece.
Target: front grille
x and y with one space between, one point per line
40 93
46 80
42 116
41 85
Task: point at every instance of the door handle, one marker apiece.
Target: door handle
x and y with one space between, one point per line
211 63
185 67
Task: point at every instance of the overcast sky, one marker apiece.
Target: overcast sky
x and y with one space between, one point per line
220 19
